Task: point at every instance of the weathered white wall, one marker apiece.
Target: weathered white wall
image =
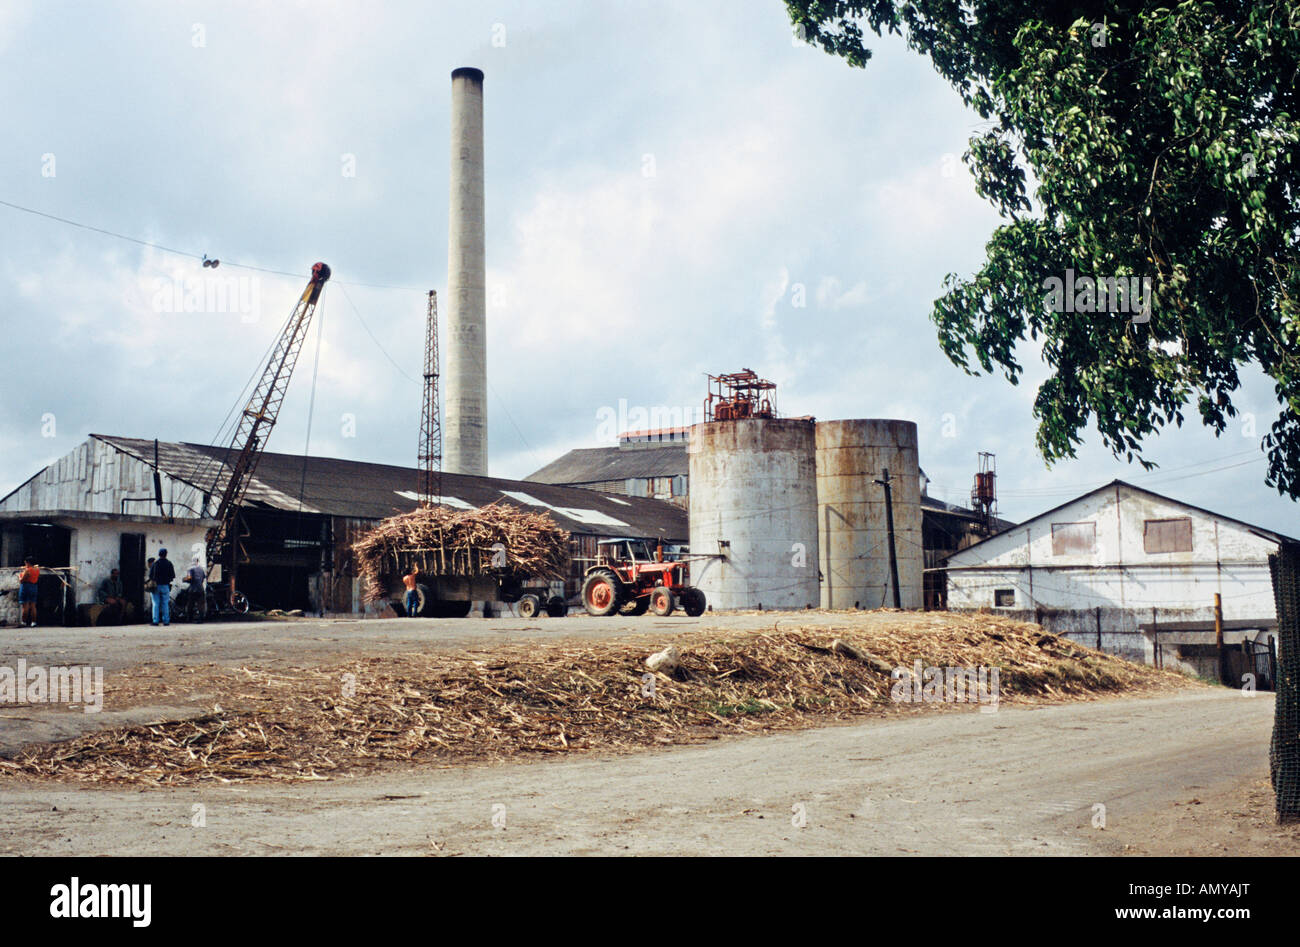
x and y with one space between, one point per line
96 548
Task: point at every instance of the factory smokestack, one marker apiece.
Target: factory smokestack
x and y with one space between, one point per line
465 427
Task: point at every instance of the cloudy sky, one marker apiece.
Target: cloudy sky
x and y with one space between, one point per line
673 188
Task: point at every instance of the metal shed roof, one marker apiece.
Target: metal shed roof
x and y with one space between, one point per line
597 464
363 490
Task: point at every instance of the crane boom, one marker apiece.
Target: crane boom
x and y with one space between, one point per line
256 421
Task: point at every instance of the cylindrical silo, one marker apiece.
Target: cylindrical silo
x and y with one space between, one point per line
851 515
753 505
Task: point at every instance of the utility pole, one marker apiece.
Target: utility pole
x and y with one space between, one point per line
889 524
1218 638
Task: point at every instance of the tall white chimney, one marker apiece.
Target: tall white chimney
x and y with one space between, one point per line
465 394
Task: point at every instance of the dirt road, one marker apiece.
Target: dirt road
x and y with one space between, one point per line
1021 781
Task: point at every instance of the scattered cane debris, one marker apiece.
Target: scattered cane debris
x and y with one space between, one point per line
556 698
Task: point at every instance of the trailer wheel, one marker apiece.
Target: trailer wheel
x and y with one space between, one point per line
692 601
636 606
662 601
529 606
601 593
557 607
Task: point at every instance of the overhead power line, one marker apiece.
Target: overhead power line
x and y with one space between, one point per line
185 253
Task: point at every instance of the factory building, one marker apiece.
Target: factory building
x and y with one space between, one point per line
644 464
98 507
1132 572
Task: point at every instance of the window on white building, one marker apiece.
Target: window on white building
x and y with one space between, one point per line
1174 535
1004 598
1073 538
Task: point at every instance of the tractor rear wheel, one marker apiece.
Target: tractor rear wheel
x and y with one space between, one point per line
692 601
602 593
529 606
636 606
662 601
557 607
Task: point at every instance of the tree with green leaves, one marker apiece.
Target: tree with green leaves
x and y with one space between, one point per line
1164 145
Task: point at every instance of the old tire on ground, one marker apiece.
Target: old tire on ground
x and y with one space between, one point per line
602 593
662 601
692 600
557 607
635 606
529 606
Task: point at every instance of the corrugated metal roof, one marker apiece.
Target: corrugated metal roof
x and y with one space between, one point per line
597 464
372 491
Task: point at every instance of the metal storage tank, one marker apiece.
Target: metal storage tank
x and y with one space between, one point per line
753 503
851 516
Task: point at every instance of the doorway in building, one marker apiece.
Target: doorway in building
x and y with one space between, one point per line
50 547
130 560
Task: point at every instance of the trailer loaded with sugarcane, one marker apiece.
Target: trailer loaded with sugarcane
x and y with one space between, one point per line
494 553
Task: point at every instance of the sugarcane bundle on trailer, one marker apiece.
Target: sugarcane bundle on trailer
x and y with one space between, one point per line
494 553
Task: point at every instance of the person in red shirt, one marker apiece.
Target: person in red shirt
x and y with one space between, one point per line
28 577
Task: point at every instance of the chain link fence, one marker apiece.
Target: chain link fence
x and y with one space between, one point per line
1284 750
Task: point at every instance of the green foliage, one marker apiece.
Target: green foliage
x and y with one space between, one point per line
1164 142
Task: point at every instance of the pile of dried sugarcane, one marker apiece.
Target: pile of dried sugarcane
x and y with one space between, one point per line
558 697
493 539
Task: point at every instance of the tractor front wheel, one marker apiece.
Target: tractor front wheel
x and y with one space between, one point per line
557 607
692 601
601 593
662 601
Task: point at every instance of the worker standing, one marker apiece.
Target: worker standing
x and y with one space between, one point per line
196 599
412 594
28 578
162 573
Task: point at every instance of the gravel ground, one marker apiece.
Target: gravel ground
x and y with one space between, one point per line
1022 781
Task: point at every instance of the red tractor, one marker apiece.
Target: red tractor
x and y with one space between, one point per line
628 580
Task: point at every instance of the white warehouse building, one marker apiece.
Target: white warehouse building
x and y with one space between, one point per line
1131 572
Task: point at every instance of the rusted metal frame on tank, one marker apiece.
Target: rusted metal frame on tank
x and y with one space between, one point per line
739 396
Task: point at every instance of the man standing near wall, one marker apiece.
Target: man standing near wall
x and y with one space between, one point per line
196 596
162 573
